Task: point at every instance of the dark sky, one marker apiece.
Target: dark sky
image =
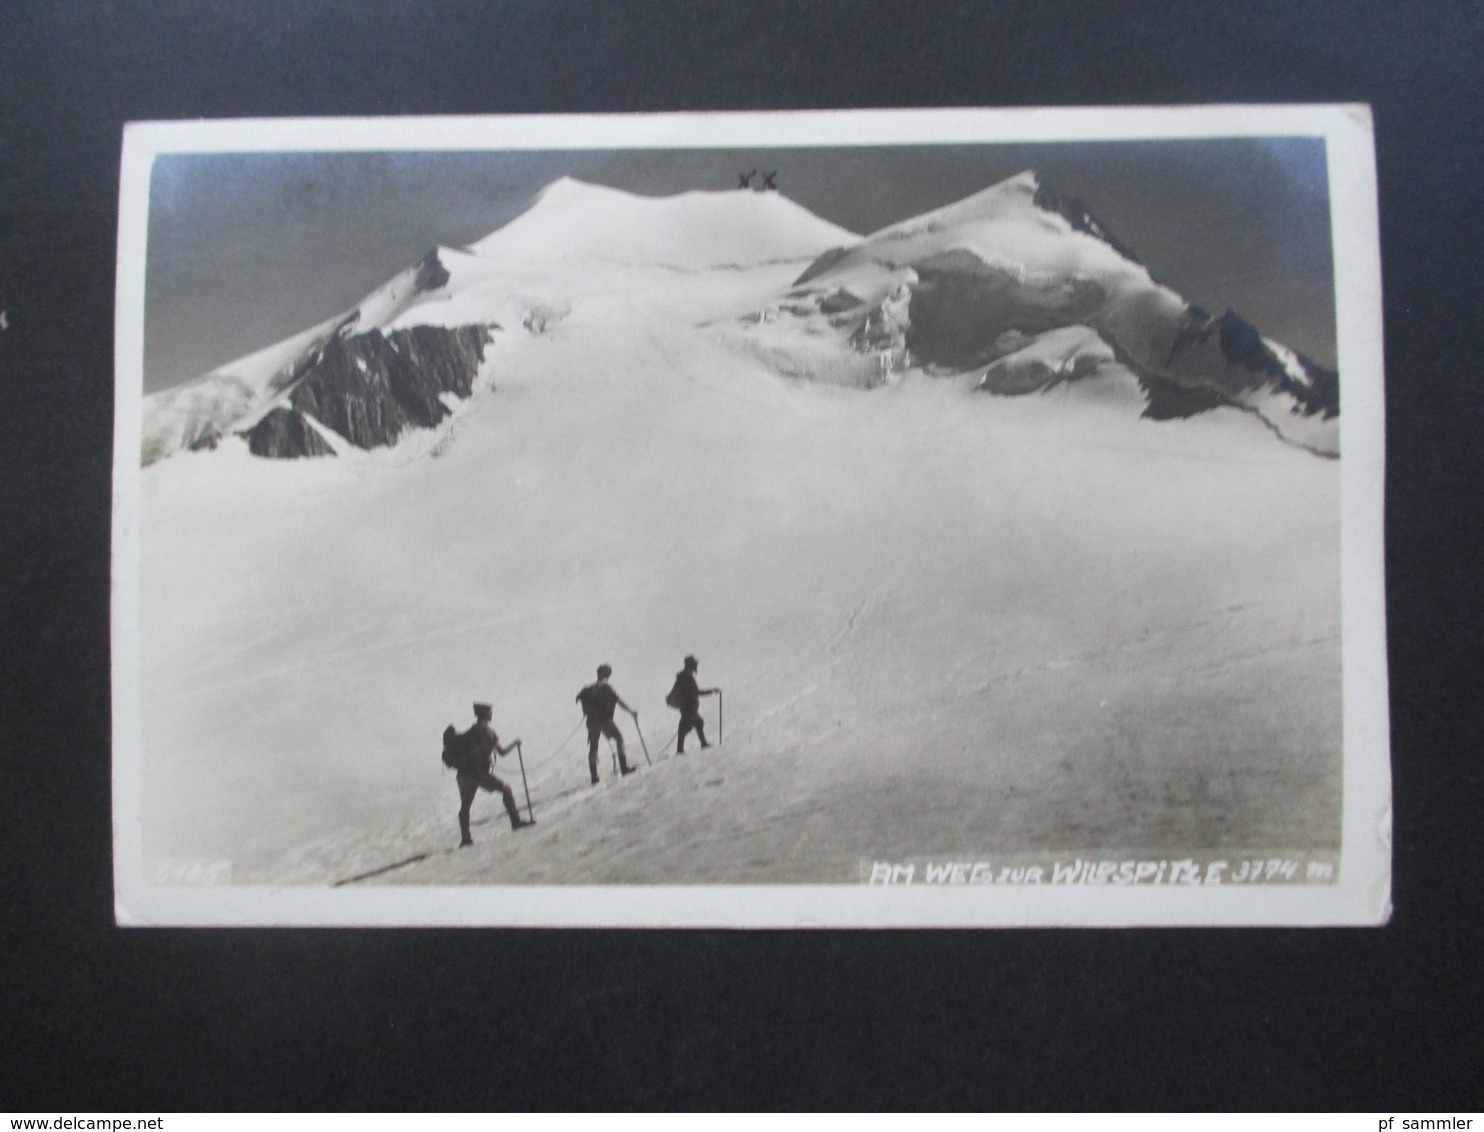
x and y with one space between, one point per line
246 249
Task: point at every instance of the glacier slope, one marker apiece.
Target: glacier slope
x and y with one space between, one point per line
944 623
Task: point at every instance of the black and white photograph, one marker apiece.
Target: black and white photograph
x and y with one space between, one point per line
879 519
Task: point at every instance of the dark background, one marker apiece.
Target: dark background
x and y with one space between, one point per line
95 1017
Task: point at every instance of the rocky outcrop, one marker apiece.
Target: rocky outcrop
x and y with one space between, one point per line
284 434
430 273
346 370
1227 354
962 308
884 329
1167 401
371 388
1210 362
1036 364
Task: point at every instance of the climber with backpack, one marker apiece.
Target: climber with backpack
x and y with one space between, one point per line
685 697
598 701
472 754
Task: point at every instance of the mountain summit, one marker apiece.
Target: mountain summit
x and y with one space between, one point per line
694 230
358 378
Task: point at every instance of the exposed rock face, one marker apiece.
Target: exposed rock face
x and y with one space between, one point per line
1035 364
431 274
1228 354
838 302
403 377
1168 401
370 388
961 307
1210 361
885 326
285 434
1081 218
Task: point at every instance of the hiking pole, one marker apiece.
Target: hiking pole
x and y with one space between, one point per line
642 743
721 718
520 756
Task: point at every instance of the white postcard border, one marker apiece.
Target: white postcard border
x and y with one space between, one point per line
1362 895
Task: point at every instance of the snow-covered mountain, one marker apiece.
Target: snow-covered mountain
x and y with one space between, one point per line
390 363
1028 290
342 376
1016 285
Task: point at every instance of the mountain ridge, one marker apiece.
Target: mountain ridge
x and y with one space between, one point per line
971 287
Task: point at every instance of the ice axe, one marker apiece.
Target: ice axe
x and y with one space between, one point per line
642 743
521 758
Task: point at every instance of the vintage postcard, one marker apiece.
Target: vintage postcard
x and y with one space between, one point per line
890 519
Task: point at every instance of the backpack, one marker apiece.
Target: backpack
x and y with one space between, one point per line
454 748
673 699
588 698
